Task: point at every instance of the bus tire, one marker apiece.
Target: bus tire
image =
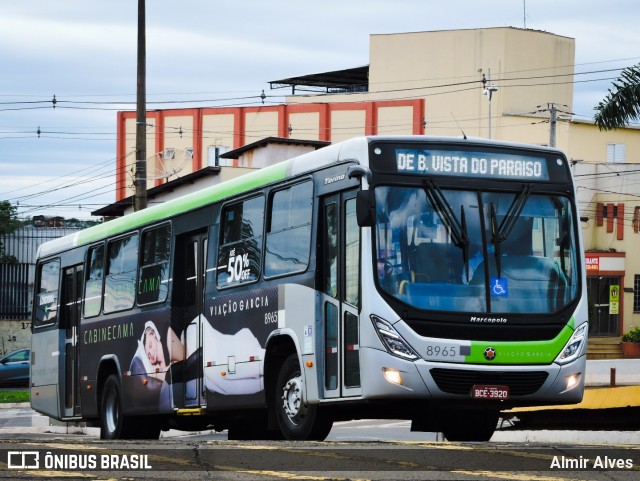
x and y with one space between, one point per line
470 426
298 420
113 424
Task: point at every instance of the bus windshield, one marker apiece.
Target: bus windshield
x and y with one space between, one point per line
473 251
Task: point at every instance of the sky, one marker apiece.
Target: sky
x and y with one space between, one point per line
61 161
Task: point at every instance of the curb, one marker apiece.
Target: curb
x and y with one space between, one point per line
14 405
596 398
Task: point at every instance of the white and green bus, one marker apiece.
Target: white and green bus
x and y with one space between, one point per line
433 279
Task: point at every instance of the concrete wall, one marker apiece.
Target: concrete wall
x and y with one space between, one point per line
15 335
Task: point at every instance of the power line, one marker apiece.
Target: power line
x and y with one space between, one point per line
73 104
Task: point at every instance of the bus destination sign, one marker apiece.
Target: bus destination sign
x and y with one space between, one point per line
471 164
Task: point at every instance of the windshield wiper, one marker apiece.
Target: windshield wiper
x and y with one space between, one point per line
500 233
457 227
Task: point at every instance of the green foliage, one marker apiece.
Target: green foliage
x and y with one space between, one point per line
14 396
632 336
8 218
8 223
622 105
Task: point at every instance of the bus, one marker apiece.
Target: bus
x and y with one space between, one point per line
437 280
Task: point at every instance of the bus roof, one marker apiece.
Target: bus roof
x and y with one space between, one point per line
194 200
355 148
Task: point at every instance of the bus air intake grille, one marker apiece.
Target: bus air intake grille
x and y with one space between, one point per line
477 332
457 381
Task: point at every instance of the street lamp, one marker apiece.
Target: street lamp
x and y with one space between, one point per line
488 90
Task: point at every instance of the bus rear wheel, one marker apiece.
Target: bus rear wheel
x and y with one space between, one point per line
115 425
112 425
298 420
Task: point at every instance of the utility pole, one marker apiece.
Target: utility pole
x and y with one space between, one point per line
553 110
488 90
140 180
553 120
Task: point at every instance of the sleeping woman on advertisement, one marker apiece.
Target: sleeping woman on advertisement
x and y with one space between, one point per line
162 359
222 349
154 356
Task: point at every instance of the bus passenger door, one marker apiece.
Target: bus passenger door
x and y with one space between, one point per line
188 285
70 321
339 263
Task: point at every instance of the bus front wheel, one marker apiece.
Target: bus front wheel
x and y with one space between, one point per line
298 420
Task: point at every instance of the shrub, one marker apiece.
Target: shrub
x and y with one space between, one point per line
632 336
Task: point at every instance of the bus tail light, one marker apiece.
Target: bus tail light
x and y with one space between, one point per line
392 340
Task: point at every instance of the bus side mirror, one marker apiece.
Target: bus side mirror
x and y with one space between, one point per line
364 209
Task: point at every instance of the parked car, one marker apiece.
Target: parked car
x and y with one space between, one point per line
14 368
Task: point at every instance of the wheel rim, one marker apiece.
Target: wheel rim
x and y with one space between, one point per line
111 411
292 401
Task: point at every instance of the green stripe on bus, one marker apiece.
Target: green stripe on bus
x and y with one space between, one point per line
525 352
186 203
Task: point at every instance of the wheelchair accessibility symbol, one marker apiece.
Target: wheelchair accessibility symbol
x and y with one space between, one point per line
499 287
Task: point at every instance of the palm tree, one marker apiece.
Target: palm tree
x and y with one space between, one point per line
622 105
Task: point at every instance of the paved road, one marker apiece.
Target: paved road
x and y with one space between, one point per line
366 449
184 459
23 422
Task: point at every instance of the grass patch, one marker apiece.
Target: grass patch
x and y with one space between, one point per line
14 396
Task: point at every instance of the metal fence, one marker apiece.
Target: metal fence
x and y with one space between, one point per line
15 291
16 279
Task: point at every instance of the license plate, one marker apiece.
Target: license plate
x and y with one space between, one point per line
482 391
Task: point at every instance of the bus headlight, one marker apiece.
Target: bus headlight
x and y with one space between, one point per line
573 348
393 341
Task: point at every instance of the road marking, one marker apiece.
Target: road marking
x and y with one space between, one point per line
280 474
514 476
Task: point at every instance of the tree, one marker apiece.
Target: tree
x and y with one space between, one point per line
622 105
8 223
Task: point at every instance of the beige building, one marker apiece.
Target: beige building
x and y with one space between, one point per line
505 83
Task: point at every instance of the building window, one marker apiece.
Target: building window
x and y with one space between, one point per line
615 153
213 156
636 293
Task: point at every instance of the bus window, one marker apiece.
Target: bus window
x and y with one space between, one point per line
289 234
153 282
352 257
46 309
93 282
120 280
330 244
240 253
